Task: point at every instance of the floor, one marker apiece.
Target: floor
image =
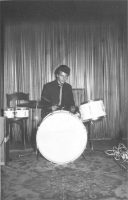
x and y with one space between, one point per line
94 175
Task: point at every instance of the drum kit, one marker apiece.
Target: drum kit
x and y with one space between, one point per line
22 110
62 136
16 112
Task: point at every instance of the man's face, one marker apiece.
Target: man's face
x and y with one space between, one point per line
62 77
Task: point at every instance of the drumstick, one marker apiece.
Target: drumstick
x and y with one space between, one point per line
45 99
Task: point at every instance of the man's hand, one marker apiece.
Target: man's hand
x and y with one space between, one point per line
73 109
55 107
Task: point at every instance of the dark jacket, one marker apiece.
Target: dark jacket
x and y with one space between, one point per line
50 96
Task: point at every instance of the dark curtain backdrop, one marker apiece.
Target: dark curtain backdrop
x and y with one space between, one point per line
95 52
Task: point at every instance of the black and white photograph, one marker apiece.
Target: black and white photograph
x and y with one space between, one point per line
63 100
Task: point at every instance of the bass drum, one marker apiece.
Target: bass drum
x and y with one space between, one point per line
61 137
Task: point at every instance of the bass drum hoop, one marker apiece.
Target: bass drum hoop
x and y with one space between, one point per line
61 137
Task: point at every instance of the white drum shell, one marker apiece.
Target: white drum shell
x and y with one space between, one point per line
9 113
85 112
22 112
61 137
92 110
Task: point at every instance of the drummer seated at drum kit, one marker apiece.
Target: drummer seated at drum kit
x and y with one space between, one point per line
57 94
54 138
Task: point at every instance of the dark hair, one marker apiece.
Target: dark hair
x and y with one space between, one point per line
62 68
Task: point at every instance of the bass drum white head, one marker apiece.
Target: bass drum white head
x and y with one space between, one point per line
61 137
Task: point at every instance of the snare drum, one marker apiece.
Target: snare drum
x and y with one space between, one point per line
9 113
61 137
92 110
21 112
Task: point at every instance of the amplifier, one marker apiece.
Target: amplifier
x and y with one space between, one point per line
4 142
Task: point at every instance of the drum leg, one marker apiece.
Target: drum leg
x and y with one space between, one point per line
37 153
91 144
89 135
89 126
33 139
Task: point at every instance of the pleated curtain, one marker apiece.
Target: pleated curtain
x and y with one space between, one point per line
96 54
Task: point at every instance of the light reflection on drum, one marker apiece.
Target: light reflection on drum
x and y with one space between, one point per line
61 137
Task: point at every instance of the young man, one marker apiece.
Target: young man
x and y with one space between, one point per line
57 94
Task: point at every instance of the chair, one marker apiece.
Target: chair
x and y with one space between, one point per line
13 100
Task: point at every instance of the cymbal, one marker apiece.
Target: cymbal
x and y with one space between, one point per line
31 104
